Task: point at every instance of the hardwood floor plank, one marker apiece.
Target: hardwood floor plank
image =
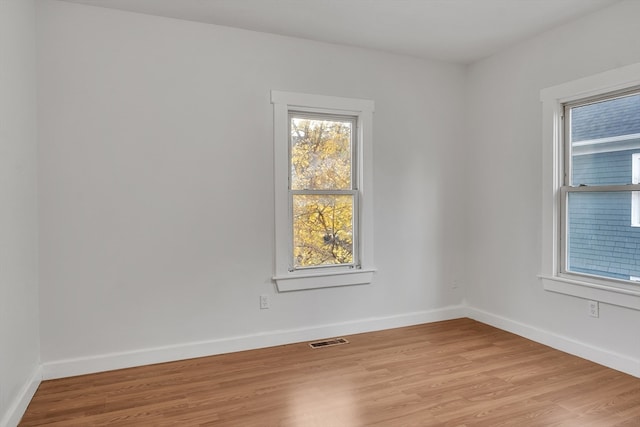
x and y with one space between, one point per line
454 373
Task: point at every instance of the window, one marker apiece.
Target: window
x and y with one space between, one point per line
601 138
322 191
591 240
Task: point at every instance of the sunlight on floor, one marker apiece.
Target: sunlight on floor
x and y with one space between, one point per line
324 405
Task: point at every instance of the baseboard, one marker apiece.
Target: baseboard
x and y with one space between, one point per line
598 355
108 362
19 405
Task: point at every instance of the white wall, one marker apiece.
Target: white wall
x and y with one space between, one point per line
504 165
155 180
19 339
155 175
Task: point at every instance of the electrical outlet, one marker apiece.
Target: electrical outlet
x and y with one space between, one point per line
594 309
264 302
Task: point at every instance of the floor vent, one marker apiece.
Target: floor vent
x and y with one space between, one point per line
328 343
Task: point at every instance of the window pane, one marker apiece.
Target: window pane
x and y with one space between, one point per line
604 135
322 230
601 240
321 153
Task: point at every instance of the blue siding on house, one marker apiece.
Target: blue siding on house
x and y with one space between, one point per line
606 119
602 168
601 239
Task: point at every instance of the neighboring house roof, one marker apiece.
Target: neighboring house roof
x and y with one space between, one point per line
606 119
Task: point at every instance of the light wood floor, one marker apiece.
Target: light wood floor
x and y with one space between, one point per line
453 373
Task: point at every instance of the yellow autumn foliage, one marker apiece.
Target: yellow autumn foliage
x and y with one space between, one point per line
321 159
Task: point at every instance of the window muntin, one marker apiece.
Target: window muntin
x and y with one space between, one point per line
601 137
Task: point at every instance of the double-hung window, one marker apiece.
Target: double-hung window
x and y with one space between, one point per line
602 138
591 204
322 191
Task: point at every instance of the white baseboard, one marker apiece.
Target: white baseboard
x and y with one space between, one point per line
619 362
16 409
107 362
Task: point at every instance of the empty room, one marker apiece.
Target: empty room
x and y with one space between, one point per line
320 213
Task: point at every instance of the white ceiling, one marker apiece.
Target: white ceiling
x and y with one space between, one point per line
461 31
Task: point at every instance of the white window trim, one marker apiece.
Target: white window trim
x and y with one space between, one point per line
599 289
324 277
635 196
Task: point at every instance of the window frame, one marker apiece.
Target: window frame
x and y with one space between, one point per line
553 276
285 276
352 191
569 187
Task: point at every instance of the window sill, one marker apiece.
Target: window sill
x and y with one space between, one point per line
304 281
598 292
